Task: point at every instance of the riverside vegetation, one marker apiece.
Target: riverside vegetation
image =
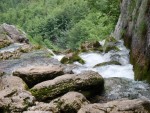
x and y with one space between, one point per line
58 24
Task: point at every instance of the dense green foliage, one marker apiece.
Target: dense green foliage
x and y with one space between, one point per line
61 24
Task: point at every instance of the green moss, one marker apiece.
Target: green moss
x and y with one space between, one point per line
111 39
73 58
142 28
4 44
54 91
142 72
131 6
123 32
109 48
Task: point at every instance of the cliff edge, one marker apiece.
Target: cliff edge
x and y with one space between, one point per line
134 27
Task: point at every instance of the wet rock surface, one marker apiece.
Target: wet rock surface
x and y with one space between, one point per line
107 63
117 88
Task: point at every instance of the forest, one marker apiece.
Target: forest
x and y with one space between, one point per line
58 24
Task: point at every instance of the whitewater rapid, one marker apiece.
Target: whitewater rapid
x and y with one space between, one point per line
125 70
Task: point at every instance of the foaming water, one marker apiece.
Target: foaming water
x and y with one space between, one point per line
58 57
92 58
116 71
107 71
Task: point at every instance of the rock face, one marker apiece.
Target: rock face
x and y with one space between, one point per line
85 83
118 106
134 27
13 95
13 34
37 74
68 103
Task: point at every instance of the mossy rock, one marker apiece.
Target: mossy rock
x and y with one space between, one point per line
110 48
4 42
72 57
111 39
90 46
10 55
107 63
142 73
110 44
86 81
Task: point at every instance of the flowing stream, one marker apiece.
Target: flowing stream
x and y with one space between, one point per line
119 79
92 58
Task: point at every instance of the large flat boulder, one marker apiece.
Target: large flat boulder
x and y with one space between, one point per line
118 106
86 83
13 95
33 75
71 102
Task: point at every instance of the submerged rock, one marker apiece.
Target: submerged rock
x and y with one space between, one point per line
85 83
13 95
107 63
72 57
71 102
118 106
36 74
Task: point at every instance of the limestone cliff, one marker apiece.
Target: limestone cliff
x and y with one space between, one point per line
134 27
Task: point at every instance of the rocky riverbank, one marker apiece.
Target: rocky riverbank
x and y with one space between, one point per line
37 83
